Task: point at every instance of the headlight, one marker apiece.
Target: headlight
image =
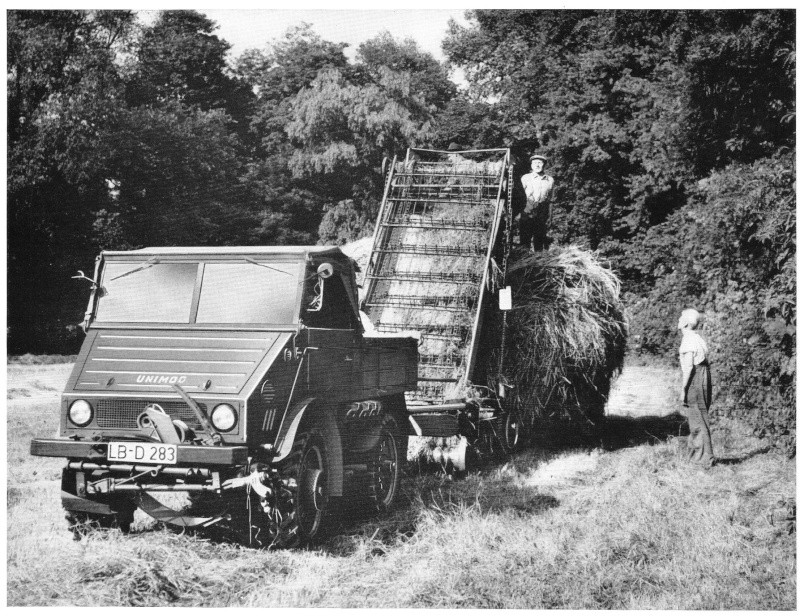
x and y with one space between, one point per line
80 413
223 417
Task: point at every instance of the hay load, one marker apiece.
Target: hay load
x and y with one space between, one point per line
566 334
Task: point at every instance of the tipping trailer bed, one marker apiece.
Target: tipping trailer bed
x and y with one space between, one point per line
438 258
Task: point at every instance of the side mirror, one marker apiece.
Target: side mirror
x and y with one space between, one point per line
325 270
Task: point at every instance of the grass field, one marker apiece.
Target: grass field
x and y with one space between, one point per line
566 524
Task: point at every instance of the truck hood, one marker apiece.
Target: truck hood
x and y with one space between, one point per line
143 361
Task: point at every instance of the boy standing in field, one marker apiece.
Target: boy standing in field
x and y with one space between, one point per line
696 387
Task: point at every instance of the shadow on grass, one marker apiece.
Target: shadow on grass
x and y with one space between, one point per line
357 526
428 487
729 460
612 433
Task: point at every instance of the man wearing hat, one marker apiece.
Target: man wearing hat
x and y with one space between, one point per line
454 156
535 218
457 162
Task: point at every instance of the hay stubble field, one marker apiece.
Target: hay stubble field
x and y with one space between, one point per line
619 521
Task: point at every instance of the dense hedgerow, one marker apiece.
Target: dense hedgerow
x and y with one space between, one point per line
735 261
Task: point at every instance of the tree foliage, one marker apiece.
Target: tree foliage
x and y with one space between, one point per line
345 122
618 98
64 92
180 59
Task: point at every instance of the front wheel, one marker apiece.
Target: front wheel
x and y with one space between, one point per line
305 477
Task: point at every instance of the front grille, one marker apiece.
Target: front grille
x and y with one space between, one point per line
122 414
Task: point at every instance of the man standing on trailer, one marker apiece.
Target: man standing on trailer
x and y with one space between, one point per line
535 218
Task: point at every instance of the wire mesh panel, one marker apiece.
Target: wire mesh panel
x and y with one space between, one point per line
431 259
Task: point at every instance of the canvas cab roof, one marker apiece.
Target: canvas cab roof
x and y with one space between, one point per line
332 252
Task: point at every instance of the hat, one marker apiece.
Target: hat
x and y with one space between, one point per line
690 319
539 157
453 147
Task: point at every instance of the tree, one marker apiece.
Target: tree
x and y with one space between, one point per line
88 172
739 90
180 59
346 121
469 123
278 74
289 208
176 176
64 91
428 78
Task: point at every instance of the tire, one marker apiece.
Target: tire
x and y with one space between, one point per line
511 431
383 466
244 522
304 477
298 510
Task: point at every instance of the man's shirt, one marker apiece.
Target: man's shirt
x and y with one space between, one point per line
537 187
693 350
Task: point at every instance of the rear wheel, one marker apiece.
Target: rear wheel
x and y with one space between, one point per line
384 464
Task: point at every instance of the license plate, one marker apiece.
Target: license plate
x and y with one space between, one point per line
143 453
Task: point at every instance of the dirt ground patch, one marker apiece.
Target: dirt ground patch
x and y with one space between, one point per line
36 381
644 391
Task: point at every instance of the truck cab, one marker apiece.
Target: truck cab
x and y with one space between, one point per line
226 371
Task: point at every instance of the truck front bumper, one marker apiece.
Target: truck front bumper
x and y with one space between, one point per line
188 455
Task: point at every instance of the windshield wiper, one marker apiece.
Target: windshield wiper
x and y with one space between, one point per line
249 260
147 264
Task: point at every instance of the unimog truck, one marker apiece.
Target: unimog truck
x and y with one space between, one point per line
241 376
246 378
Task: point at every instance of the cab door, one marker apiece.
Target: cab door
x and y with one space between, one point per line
334 356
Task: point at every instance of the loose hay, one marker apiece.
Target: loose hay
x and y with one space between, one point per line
566 334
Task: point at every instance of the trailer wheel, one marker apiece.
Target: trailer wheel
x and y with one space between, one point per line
512 431
383 466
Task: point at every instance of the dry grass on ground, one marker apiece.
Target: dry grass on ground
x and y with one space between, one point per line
568 525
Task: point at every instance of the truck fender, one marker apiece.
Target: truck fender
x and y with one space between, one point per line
332 439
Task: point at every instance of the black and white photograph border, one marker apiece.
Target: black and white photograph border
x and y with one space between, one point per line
426 307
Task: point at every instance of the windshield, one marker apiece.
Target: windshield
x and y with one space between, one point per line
159 294
248 293
199 292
